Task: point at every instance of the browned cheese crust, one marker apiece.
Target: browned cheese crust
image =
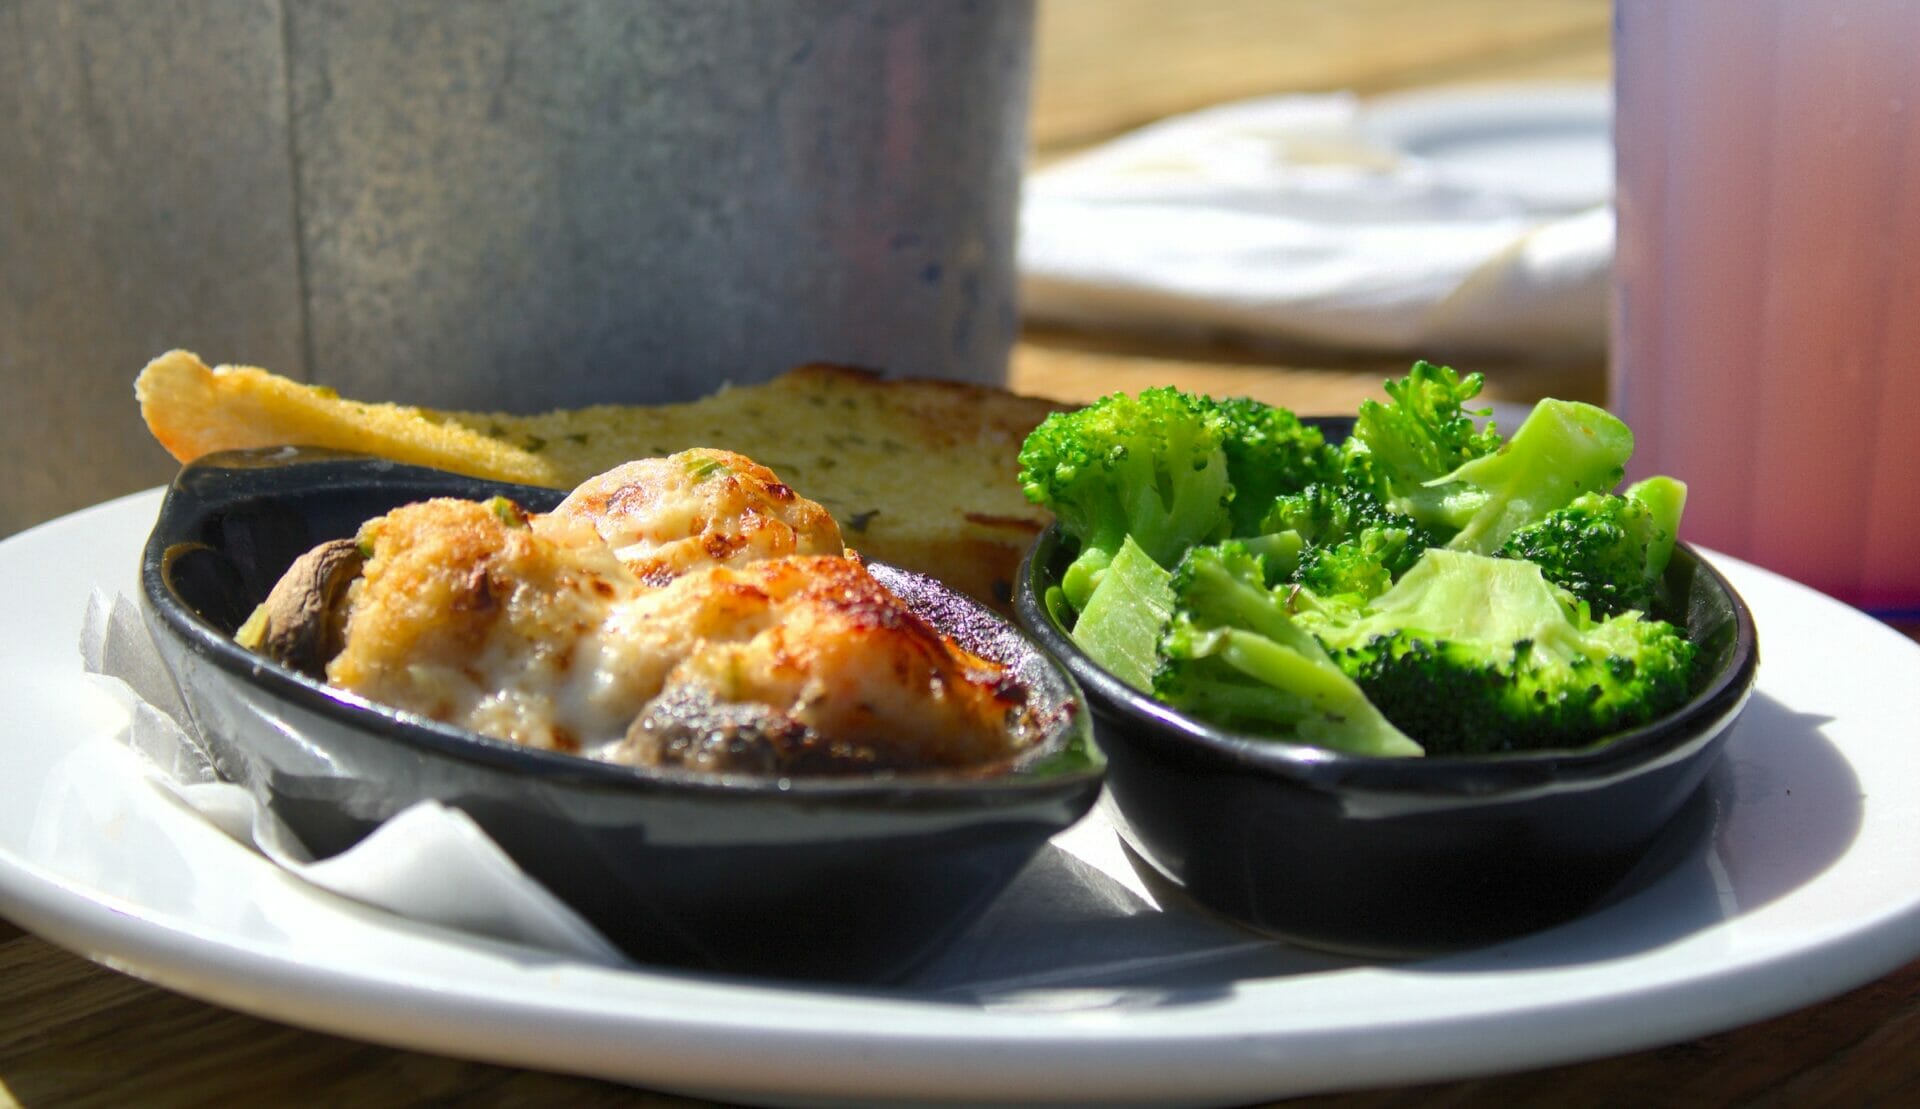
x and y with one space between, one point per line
665 516
530 629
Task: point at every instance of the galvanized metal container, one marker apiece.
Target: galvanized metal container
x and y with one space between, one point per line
507 205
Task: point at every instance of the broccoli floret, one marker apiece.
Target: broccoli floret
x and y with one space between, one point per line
1269 452
1424 457
1348 541
1151 466
1232 654
1403 450
1563 449
1474 654
1359 569
1325 513
1348 597
1608 550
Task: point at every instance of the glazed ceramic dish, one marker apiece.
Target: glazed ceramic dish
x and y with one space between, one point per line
1403 857
844 878
1791 883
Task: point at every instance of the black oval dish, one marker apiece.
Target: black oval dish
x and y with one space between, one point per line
1401 857
841 879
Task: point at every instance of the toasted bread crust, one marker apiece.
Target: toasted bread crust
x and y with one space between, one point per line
918 473
194 410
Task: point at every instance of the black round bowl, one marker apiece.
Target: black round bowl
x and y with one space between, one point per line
847 879
1402 857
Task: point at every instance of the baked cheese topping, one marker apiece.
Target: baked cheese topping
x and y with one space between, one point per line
664 516
673 612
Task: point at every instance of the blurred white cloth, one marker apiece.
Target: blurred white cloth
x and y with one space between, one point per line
1472 220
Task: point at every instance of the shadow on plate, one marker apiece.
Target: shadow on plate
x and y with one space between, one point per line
1778 811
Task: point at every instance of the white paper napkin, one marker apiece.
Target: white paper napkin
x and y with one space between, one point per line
429 863
1077 916
1447 223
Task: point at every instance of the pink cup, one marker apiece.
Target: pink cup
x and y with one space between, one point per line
1767 279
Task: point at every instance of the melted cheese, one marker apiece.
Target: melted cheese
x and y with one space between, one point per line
665 516
535 630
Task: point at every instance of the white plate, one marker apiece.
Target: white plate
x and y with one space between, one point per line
1551 145
1801 883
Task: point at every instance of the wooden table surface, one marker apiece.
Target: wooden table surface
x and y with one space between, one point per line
74 1033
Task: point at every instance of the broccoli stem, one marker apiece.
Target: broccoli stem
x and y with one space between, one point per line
1121 621
1563 449
1666 499
1233 654
1083 575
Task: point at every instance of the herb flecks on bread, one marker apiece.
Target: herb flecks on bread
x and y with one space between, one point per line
921 474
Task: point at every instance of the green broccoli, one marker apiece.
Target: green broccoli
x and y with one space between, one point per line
1609 550
1120 625
1269 453
1474 654
1151 466
1358 569
1348 542
1403 451
1232 654
1563 449
1424 457
1349 597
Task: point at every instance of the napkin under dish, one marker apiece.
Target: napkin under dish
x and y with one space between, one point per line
1077 916
429 863
1462 221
